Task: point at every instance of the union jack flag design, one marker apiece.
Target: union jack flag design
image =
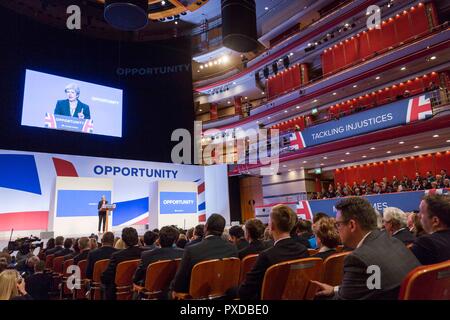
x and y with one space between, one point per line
88 126
419 108
296 141
50 121
304 210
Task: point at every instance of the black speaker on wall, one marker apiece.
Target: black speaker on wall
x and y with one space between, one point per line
239 25
234 190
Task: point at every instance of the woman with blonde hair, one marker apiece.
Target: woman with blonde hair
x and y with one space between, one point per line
12 286
120 244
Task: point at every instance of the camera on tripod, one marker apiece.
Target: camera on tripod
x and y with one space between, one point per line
25 245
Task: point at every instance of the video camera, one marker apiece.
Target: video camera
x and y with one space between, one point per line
25 245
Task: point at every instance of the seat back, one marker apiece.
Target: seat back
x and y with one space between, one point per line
99 267
212 278
81 293
291 280
247 265
64 289
58 265
159 275
430 282
49 261
339 248
333 268
124 278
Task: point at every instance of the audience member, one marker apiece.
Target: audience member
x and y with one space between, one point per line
181 242
303 233
104 252
237 237
149 240
434 214
67 248
59 241
212 247
12 286
327 237
39 284
356 222
49 245
120 245
281 222
197 237
254 231
167 237
131 252
83 243
395 223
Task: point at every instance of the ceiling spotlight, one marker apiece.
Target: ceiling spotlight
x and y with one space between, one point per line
355 86
377 78
334 93
315 100
263 92
403 68
364 156
163 3
297 107
201 67
401 142
285 111
436 136
372 148
342 160
388 152
447 141
266 8
305 161
433 58
347 153
225 59
416 147
234 82
210 63
325 158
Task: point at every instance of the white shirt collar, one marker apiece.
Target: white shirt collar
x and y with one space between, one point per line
362 240
398 231
275 243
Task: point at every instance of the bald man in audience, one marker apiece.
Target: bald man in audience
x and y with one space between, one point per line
282 220
434 247
377 266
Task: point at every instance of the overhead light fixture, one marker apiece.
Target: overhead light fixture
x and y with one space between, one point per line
315 100
388 152
377 78
433 58
364 156
234 82
342 160
347 153
355 86
305 161
263 92
436 136
325 158
401 142
130 15
447 141
416 147
372 148
266 8
200 110
334 93
403 68
163 3
297 107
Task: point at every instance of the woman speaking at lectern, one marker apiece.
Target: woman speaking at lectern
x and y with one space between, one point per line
102 213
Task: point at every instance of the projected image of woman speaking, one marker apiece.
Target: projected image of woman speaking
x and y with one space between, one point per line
72 106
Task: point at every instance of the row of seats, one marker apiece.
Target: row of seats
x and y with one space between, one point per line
213 278
405 26
288 79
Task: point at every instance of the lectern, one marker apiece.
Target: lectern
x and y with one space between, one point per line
108 207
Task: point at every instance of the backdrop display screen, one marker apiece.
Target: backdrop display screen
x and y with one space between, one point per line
178 202
76 203
54 102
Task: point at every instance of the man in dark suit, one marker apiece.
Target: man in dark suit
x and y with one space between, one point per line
212 247
281 222
72 107
67 248
379 263
132 252
102 213
199 232
167 237
237 237
39 284
434 247
254 231
104 252
149 240
59 240
395 222
83 243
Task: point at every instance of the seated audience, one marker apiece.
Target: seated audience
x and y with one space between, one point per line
12 286
104 252
181 242
281 222
39 284
67 248
197 237
120 245
356 222
395 223
268 238
303 233
434 247
167 237
327 237
131 252
49 245
254 231
59 241
237 237
26 267
93 243
212 247
83 243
